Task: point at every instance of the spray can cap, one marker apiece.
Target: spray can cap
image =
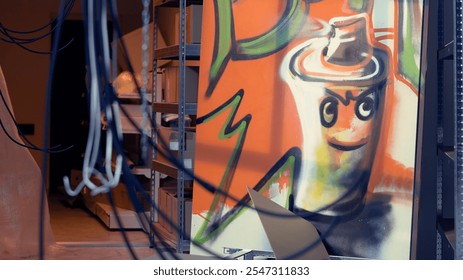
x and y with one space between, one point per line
347 55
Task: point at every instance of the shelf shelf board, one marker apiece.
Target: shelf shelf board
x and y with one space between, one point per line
446 52
451 155
129 218
175 3
129 129
168 169
190 128
175 154
169 107
165 168
446 228
133 96
450 236
141 170
172 52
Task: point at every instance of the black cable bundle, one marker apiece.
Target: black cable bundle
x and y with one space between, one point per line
22 38
105 100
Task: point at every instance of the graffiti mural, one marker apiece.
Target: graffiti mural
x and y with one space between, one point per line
314 105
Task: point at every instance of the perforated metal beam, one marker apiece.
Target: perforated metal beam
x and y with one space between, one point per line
458 62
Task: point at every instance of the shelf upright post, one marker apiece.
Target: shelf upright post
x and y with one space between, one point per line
458 68
424 221
440 128
181 126
154 173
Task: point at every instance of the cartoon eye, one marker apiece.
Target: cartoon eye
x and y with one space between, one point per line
329 111
365 107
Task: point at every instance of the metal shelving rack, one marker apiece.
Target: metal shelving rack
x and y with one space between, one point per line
445 96
181 53
445 135
458 68
450 129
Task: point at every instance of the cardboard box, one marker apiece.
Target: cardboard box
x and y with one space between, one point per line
189 154
166 186
165 205
133 42
168 204
170 79
186 214
122 198
169 24
135 113
170 138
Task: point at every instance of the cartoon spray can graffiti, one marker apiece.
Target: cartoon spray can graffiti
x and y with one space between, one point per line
339 85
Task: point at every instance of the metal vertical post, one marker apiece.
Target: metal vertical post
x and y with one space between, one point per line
440 128
144 85
458 67
181 125
154 174
440 93
424 231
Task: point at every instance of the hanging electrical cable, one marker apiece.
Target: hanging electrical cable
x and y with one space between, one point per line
67 9
204 183
22 41
109 179
103 99
214 189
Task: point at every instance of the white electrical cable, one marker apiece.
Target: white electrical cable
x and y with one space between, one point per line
110 179
113 178
90 157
